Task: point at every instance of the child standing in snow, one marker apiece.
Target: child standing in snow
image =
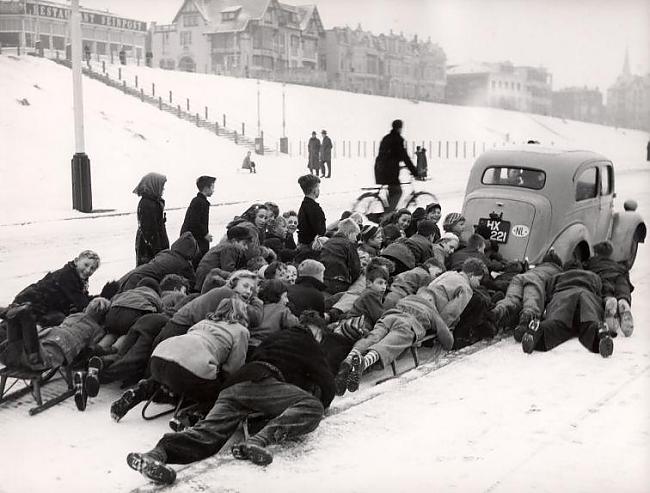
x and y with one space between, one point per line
197 217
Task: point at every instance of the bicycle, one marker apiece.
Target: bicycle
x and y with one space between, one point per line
373 203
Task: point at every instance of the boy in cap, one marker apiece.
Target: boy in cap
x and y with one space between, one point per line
197 216
307 292
311 218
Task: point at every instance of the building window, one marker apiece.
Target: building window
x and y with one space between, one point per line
186 38
190 20
295 43
268 17
229 15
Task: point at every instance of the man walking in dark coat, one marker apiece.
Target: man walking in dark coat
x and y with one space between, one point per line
197 217
326 155
392 151
575 309
287 380
313 147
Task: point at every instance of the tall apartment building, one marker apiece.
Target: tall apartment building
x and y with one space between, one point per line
256 38
500 85
628 100
579 103
389 65
24 23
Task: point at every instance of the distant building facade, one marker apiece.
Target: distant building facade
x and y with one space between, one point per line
24 23
389 65
245 38
500 85
579 103
628 100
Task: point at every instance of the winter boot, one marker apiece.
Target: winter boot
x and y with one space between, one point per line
611 319
531 337
80 395
250 451
525 317
605 342
95 365
627 322
151 468
341 378
356 370
129 399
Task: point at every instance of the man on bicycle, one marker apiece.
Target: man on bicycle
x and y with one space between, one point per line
391 153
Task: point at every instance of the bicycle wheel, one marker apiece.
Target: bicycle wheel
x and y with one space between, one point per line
421 199
368 203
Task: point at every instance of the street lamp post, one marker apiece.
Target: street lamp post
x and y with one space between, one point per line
81 184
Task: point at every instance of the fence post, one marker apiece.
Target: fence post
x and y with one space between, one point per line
103 66
349 149
430 150
216 128
374 151
119 73
170 97
141 94
364 148
224 120
343 153
197 120
236 141
334 149
206 112
300 148
358 148
160 103
243 128
18 50
440 149
187 101
456 149
153 89
124 85
178 110
136 81
464 150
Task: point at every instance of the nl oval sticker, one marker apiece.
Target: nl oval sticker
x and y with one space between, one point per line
520 230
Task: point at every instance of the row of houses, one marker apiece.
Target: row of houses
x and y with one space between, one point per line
276 41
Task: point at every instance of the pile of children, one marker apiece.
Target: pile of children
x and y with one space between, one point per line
268 325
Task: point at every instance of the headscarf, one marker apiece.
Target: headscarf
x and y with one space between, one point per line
151 185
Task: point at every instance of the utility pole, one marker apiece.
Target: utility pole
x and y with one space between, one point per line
284 124
258 108
81 184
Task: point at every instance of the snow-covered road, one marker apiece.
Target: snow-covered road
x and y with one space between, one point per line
496 420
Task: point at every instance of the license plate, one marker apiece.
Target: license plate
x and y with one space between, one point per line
498 229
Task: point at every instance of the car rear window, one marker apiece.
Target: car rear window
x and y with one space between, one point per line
514 177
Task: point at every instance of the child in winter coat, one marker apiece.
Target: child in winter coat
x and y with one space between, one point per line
617 288
227 256
197 217
526 295
276 239
128 306
476 249
151 236
56 346
241 283
397 330
276 314
410 281
575 309
307 292
176 260
61 292
421 243
196 364
340 258
173 293
311 218
444 247
372 238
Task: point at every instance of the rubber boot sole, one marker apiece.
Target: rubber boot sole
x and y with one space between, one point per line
254 453
341 378
355 373
80 396
92 378
151 468
606 346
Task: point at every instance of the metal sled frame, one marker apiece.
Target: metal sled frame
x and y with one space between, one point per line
34 380
174 409
416 360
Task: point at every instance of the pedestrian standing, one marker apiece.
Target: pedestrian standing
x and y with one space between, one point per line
421 163
326 155
151 237
313 148
197 217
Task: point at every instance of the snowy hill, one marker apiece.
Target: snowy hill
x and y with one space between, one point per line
360 117
126 138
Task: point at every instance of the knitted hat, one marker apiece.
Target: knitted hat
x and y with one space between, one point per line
426 227
451 220
391 232
447 236
368 232
420 308
238 233
311 268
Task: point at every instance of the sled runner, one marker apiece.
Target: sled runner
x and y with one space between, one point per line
34 381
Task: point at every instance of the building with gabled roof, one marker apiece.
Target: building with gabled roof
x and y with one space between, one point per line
628 99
